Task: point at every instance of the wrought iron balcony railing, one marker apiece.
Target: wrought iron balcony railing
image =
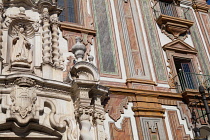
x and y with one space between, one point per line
167 8
186 81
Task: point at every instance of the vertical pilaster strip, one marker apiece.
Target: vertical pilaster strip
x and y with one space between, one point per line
106 48
156 50
99 118
46 37
196 38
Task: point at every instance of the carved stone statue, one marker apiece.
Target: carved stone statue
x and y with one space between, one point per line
21 49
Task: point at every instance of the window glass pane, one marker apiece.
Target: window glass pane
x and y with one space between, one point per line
68 13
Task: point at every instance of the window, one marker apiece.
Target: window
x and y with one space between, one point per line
186 74
168 8
69 12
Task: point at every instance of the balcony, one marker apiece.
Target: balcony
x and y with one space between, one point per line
186 81
170 18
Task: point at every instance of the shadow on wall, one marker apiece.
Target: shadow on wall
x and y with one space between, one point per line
205 132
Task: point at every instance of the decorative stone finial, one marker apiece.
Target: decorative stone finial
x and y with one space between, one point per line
79 49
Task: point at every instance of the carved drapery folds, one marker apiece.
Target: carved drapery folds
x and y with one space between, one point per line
21 30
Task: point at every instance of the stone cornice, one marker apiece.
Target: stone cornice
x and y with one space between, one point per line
132 92
5 79
133 80
73 27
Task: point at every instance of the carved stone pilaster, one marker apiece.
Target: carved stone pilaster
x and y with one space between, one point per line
84 114
99 122
1 33
55 37
46 36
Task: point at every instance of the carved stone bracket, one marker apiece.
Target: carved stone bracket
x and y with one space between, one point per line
173 27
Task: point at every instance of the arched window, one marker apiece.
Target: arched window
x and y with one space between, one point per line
69 12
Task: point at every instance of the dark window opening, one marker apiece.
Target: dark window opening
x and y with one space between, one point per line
186 74
69 12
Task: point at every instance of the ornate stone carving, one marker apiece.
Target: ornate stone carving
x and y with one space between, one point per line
23 100
99 121
24 81
46 37
55 37
79 49
21 30
21 49
36 26
84 114
173 27
1 27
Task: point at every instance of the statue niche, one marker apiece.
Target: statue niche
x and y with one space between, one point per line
21 30
21 49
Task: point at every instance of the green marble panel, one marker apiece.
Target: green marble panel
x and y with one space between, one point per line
197 41
153 40
104 38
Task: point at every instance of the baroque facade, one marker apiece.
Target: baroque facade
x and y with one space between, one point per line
103 69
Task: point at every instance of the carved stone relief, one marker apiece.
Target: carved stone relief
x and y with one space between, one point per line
25 108
23 100
153 127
